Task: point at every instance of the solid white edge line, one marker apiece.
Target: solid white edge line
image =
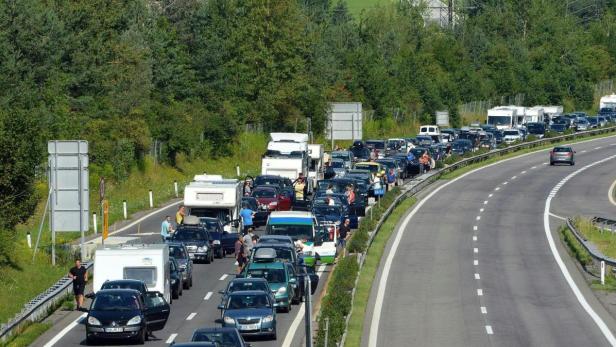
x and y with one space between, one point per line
171 338
145 217
611 193
288 339
208 296
222 278
191 316
65 331
382 283
563 268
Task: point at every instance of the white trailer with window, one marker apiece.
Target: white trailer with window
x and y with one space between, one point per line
315 170
534 114
148 263
214 196
608 101
503 117
287 156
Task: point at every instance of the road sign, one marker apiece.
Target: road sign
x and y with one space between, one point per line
344 121
105 219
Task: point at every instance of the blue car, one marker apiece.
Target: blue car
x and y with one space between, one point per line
251 312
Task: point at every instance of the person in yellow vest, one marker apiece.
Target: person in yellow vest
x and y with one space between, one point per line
179 216
300 186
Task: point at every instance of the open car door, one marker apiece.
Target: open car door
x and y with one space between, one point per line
156 312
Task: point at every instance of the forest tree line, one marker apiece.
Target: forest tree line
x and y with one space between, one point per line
124 74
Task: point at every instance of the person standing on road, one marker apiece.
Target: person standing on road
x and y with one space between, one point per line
350 194
330 189
166 229
391 179
240 257
247 189
248 243
299 187
343 232
79 275
179 216
247 215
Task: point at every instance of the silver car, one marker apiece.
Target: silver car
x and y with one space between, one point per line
562 154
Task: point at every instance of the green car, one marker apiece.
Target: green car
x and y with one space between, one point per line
281 278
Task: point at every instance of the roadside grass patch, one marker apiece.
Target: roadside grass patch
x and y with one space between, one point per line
605 240
28 335
368 272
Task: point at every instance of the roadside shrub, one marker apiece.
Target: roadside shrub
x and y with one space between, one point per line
575 247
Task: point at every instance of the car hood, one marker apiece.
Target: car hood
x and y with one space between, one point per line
198 243
120 317
246 313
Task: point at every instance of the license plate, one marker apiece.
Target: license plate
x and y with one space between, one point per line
249 327
113 330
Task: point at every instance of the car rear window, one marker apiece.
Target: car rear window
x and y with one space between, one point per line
562 149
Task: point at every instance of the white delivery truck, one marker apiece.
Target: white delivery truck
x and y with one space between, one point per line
214 196
503 117
608 101
148 263
287 156
315 171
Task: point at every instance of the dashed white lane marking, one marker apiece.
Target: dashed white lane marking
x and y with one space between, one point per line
481 210
505 183
583 151
171 338
475 250
534 167
546 163
599 147
479 292
191 316
563 268
477 277
208 296
485 202
222 278
65 331
497 188
475 262
514 177
474 238
523 172
484 310
475 227
490 195
478 217
489 330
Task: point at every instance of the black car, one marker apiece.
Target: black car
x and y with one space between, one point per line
180 253
125 314
360 153
558 127
137 285
224 337
222 241
197 240
175 274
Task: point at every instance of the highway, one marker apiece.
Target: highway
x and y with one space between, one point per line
472 264
196 308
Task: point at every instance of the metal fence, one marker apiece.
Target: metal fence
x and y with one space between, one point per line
413 187
594 252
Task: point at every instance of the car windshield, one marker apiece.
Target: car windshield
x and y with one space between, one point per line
326 210
222 339
115 302
267 181
499 120
376 144
190 234
212 225
337 164
238 302
372 168
562 149
535 128
512 133
236 286
295 231
593 120
418 151
271 275
121 285
177 252
264 193
282 253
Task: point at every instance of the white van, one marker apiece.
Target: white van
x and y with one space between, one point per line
429 130
147 263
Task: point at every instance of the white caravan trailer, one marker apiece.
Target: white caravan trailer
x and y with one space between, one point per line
148 263
608 101
503 117
214 196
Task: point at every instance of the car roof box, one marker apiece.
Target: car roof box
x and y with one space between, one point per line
191 220
264 254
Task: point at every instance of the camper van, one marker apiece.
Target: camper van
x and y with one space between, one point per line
287 156
315 171
608 101
147 263
503 117
214 196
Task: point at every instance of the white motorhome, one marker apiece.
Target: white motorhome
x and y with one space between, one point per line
214 196
148 263
287 156
608 101
503 117
315 171
534 114
551 111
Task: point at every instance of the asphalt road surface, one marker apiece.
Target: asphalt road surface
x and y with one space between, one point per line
473 266
196 308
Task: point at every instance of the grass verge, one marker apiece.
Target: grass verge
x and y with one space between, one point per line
28 335
367 273
604 240
470 167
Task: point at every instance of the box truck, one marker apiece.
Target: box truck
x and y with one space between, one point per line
147 263
287 156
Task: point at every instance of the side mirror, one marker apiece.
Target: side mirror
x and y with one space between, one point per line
90 295
274 290
221 292
293 280
221 307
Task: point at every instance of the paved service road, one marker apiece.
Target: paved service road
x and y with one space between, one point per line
474 266
196 308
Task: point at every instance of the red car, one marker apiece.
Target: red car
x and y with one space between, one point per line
270 199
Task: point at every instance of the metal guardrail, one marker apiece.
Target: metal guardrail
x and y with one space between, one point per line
594 252
38 308
438 173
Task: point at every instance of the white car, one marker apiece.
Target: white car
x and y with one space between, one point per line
511 135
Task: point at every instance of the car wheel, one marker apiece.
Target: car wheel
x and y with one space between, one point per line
191 281
551 163
90 341
274 336
207 260
181 291
140 340
175 294
186 284
572 163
